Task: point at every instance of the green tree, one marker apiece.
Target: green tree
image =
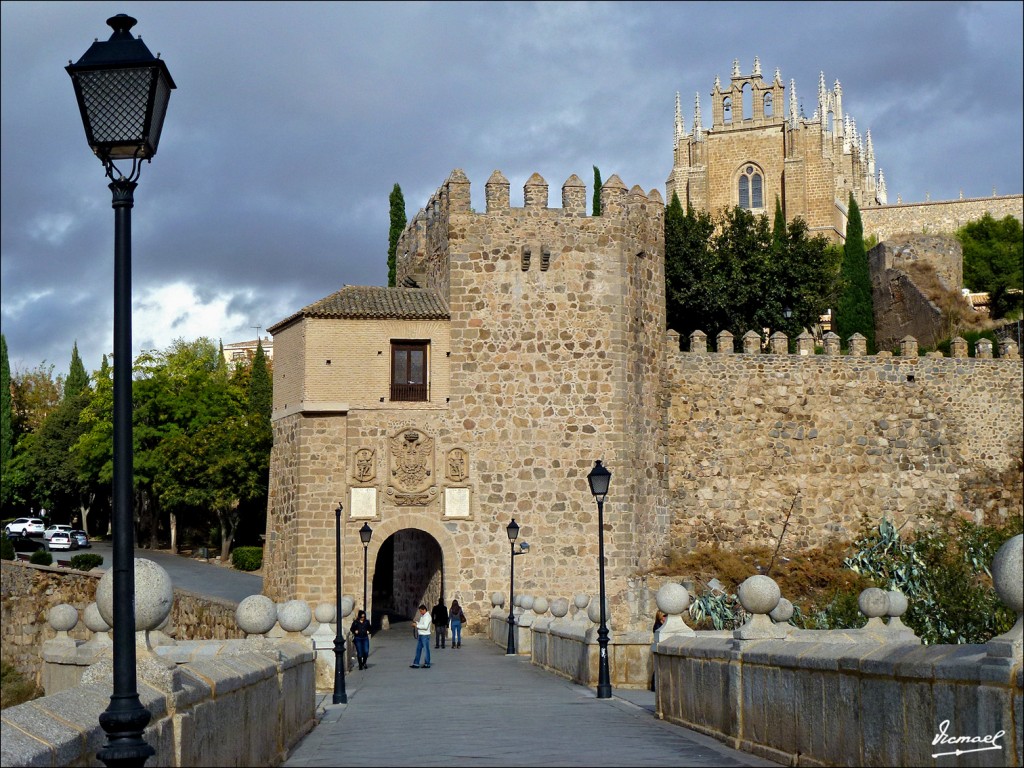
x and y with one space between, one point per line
854 307
595 209
397 227
994 262
78 379
6 425
261 390
738 274
693 284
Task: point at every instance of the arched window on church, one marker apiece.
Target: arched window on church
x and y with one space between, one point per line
727 110
751 189
768 105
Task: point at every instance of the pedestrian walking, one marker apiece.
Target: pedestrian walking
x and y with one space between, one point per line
456 619
360 630
440 618
422 625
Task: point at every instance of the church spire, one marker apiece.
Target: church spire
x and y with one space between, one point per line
680 127
881 195
736 68
792 104
698 128
757 66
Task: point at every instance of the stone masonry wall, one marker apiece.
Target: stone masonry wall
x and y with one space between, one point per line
945 216
845 437
30 591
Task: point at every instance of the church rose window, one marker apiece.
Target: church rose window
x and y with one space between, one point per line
409 370
751 189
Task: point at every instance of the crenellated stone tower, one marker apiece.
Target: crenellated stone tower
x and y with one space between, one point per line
754 152
521 345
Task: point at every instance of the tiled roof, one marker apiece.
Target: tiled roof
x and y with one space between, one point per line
360 302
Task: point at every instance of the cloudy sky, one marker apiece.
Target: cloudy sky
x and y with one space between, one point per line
292 121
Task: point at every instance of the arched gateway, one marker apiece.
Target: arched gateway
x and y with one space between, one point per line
407 569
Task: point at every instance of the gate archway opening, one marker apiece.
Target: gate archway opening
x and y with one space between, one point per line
408 570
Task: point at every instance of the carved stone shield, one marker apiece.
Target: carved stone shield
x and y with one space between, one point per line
411 463
364 466
458 465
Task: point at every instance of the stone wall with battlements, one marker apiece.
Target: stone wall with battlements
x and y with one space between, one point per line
833 437
937 217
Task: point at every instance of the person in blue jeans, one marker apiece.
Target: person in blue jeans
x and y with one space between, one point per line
455 618
360 630
422 625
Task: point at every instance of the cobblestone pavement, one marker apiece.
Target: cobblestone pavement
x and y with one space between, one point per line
475 706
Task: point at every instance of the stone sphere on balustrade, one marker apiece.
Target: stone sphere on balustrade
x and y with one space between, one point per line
540 605
873 602
1006 570
897 603
672 598
154 595
526 602
294 615
517 600
497 599
348 604
580 601
594 612
782 612
94 620
63 617
256 615
559 607
325 613
759 594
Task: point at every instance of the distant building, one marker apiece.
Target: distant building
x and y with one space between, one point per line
246 350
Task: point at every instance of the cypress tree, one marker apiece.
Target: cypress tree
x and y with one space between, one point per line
77 380
6 406
261 391
855 312
778 228
397 227
596 206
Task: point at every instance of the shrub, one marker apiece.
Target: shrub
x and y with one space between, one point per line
15 688
247 558
6 548
86 561
41 557
943 571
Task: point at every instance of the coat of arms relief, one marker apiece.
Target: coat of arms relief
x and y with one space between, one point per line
411 468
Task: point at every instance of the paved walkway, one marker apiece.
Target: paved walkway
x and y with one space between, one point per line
477 707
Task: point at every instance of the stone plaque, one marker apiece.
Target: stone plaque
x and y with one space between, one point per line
456 502
364 503
365 465
458 465
411 463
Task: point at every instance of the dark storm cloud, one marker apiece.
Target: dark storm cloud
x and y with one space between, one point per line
292 122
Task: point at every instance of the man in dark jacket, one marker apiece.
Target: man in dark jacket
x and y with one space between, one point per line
440 617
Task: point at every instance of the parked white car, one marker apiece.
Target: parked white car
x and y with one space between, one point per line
48 533
25 526
61 540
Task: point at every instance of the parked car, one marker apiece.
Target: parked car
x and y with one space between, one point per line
82 538
25 526
26 544
52 529
61 540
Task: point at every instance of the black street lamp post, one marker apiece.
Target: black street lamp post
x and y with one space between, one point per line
364 536
122 92
340 697
599 478
512 529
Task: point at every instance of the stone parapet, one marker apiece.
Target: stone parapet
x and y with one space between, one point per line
824 703
208 710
